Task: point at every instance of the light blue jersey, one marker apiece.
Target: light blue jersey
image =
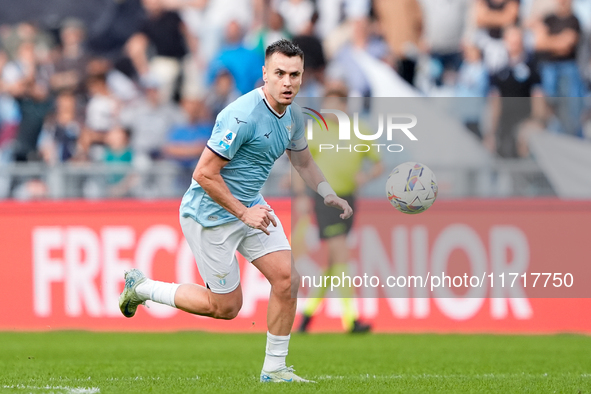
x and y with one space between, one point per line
251 136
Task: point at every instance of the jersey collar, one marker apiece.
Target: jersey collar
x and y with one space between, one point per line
278 115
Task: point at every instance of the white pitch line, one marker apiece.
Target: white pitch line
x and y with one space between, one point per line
62 389
450 376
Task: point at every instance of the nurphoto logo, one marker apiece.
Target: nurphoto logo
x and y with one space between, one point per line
394 122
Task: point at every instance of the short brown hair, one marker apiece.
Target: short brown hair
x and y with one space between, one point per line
284 47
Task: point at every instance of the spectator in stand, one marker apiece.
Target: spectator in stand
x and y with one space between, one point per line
556 40
101 114
119 155
515 97
165 32
273 29
191 13
207 20
9 121
472 78
332 12
120 78
222 92
194 71
70 67
113 25
363 36
297 14
244 64
9 118
23 32
194 67
401 23
582 10
27 80
472 83
492 16
149 120
314 61
444 29
58 141
185 142
531 11
495 15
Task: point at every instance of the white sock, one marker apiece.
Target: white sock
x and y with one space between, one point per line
276 352
156 291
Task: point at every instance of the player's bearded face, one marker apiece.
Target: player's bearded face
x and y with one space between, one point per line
283 77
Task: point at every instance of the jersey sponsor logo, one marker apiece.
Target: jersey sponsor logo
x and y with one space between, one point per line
227 140
238 121
268 134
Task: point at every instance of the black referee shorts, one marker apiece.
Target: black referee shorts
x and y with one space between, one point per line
329 222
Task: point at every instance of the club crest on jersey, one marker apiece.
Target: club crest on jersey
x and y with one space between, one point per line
227 140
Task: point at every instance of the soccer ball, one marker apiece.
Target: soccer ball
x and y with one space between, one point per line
411 187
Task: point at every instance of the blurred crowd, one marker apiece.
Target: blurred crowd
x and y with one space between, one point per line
148 87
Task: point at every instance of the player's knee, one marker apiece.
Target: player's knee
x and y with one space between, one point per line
283 284
227 312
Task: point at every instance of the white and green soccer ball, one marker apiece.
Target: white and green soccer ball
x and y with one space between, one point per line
411 187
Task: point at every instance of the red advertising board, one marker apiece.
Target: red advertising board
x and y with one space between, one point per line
62 266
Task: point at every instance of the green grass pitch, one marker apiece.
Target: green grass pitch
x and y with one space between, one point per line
196 362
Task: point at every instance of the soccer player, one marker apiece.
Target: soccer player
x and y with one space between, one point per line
223 210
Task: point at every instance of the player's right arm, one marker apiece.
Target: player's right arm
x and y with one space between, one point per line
208 175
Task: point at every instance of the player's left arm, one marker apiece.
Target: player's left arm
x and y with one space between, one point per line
305 165
299 154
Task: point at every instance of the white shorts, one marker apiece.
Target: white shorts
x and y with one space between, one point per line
215 249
